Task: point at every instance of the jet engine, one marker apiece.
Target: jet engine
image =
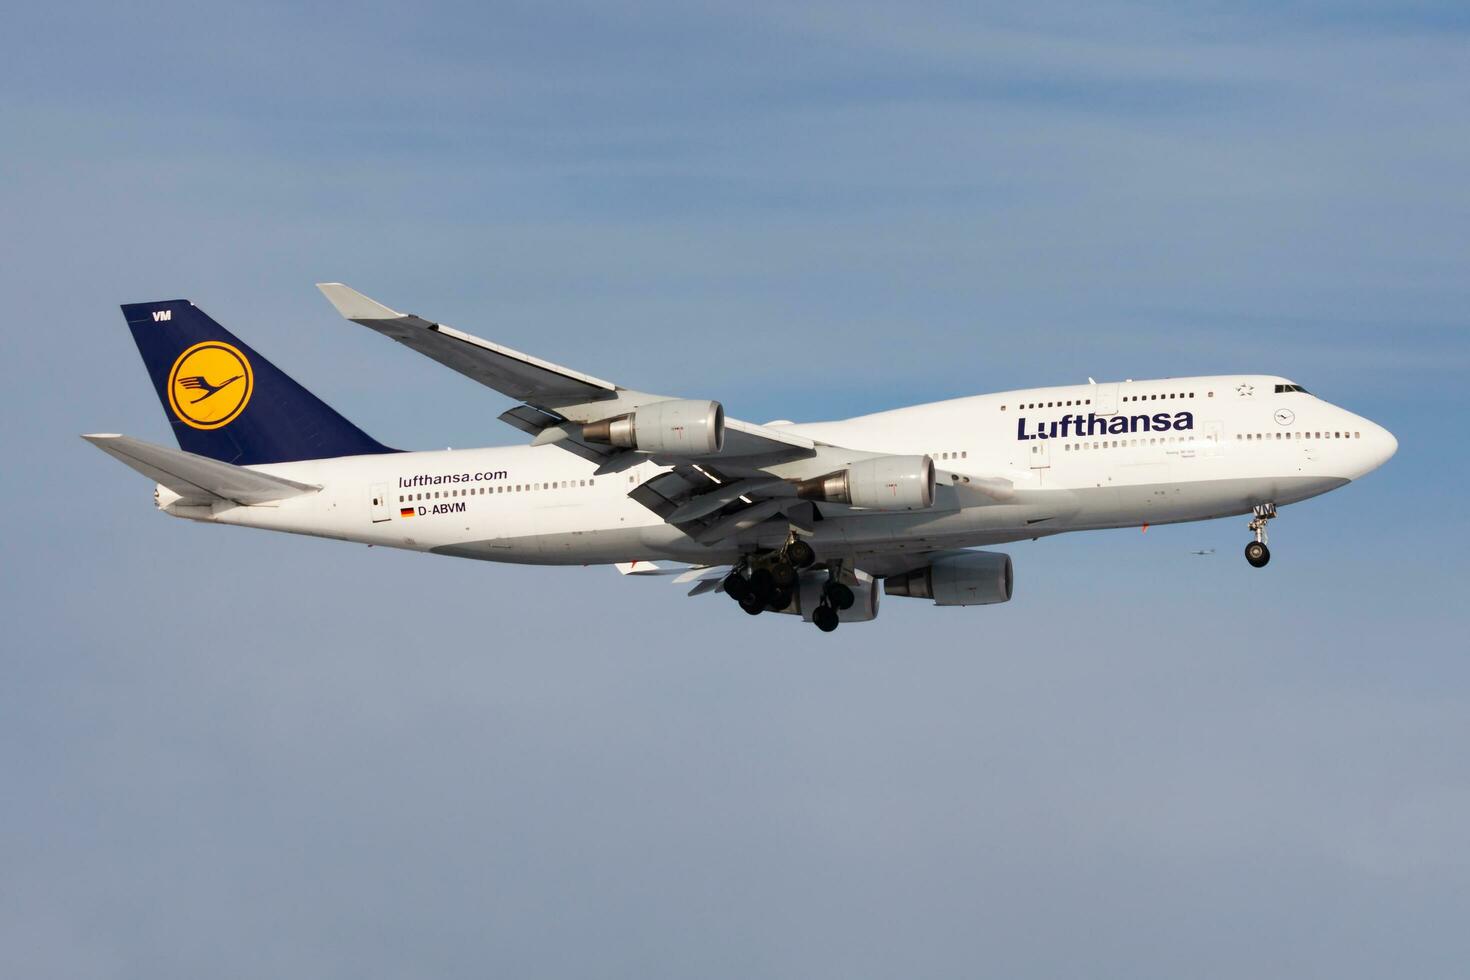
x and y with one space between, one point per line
808 595
884 483
971 578
677 427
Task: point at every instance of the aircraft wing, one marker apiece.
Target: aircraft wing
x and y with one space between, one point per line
710 497
552 394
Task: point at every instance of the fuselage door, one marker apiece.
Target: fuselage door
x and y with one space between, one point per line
1040 455
1105 398
380 510
1211 437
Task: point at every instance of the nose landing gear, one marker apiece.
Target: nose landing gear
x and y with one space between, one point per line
1256 552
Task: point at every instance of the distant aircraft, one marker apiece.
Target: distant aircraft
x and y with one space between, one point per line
801 519
1206 551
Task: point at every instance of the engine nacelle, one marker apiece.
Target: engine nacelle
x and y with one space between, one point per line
884 483
808 595
677 428
975 578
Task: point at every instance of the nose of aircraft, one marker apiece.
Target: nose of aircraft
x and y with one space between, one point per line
1378 447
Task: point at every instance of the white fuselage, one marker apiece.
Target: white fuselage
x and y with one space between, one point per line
1073 458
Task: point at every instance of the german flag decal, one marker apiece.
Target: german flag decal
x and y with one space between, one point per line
405 512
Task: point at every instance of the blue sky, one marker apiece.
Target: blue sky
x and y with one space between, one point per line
237 754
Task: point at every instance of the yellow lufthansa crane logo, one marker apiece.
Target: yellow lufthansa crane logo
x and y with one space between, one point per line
210 385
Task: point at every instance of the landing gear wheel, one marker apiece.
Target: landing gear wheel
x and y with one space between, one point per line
782 598
839 595
736 586
752 605
1257 554
783 574
800 554
762 585
825 617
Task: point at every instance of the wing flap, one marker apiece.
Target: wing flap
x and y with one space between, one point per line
707 503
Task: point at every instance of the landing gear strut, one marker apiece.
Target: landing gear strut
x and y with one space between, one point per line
1256 552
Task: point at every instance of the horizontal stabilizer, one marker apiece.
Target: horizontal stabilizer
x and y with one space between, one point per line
197 478
647 568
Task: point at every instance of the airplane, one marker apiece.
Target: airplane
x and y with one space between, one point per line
802 519
1204 552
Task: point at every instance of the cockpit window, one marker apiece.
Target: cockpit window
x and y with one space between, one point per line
1280 389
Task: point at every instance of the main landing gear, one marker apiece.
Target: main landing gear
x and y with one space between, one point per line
835 597
764 586
769 582
1256 552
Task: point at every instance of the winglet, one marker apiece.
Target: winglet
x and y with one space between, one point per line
354 305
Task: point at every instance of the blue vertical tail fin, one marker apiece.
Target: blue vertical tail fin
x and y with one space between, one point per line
227 402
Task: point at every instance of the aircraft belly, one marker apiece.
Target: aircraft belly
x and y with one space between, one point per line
1172 502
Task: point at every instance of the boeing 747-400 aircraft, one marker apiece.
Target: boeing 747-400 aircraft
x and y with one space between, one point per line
802 519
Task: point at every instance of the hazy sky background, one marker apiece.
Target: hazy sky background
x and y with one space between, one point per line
235 754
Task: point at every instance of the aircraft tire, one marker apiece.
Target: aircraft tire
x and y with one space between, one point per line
736 586
839 595
762 585
825 617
